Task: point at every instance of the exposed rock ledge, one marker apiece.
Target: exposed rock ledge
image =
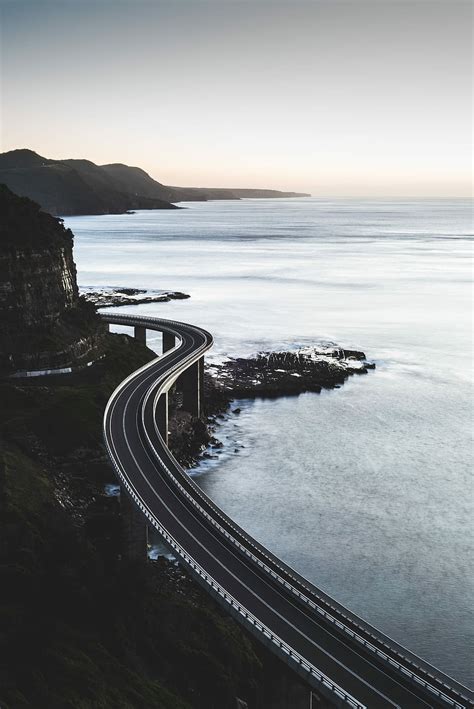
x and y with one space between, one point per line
109 297
267 374
283 373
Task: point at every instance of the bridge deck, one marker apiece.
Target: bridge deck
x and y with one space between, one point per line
336 652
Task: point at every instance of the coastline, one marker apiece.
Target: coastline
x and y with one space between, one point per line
364 288
110 297
265 375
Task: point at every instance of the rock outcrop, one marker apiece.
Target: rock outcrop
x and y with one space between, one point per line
111 297
272 374
44 323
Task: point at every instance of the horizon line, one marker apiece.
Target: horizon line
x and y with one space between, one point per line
305 192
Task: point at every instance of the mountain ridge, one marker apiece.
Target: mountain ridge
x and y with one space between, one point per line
76 186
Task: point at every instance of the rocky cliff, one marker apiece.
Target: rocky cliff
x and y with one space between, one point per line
44 324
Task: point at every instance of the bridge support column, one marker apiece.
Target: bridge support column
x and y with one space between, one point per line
201 383
192 386
162 416
168 342
134 530
189 386
140 333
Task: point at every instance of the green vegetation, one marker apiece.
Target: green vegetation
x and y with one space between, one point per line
68 415
79 627
24 225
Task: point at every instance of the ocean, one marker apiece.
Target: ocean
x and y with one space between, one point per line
365 490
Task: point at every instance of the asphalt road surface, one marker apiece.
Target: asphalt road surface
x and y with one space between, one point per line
336 652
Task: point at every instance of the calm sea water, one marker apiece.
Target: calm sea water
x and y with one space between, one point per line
365 490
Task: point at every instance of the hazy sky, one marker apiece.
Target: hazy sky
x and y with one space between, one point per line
365 97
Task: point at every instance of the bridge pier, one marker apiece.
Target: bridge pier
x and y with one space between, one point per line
134 530
140 333
162 416
192 386
201 381
168 342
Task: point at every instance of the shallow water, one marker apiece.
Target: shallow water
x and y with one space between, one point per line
366 489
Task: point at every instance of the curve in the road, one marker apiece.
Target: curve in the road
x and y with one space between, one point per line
337 653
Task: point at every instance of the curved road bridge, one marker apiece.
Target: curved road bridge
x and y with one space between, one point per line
335 652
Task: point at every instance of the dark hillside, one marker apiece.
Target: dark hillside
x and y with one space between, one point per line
44 324
136 181
115 193
59 189
79 627
21 158
69 187
82 627
24 224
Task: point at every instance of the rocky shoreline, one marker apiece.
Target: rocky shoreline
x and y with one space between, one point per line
110 297
266 374
83 617
288 372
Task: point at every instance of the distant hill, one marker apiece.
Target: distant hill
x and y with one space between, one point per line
21 159
68 187
203 194
136 181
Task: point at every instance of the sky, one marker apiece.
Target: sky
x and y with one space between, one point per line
333 97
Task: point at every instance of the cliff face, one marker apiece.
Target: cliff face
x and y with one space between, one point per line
36 286
44 324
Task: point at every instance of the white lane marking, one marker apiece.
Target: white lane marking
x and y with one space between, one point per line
227 570
207 551
303 611
439 694
148 377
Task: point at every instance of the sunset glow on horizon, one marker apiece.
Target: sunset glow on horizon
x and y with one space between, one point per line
369 98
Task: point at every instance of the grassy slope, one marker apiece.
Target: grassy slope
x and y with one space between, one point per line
79 628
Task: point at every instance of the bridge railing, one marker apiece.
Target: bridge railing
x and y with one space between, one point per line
387 658
294 657
314 606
